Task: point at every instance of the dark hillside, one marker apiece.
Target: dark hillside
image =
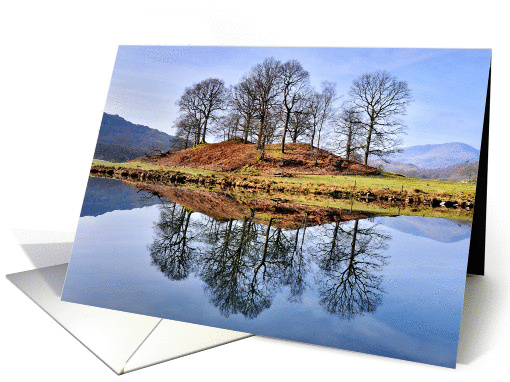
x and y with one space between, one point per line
120 140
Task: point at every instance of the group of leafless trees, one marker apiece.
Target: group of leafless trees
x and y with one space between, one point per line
275 102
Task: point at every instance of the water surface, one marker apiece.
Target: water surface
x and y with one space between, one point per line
390 286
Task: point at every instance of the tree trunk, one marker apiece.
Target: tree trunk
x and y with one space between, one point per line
353 242
198 134
287 117
187 139
296 240
348 147
264 251
313 137
247 128
261 129
203 132
241 240
318 143
266 242
369 138
227 236
184 232
333 242
305 223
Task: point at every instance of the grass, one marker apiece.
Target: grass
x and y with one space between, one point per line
378 209
387 181
306 185
151 167
345 204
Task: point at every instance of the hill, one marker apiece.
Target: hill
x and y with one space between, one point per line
436 156
449 161
106 195
233 155
455 173
120 140
444 230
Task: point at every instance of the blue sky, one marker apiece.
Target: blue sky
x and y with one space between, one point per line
448 85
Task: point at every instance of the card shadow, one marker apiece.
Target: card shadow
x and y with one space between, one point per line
475 338
49 254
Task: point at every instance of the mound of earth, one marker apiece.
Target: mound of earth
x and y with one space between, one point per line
232 155
287 215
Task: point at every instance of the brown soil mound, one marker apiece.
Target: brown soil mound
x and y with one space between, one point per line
224 206
223 156
231 156
299 159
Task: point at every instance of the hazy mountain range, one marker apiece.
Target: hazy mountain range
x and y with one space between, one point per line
120 140
437 156
448 161
106 195
442 230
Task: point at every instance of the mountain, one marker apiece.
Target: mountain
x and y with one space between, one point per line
442 230
454 173
106 195
120 140
448 161
437 156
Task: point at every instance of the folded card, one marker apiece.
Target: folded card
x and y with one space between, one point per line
323 195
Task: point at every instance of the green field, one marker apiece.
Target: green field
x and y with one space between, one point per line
314 189
309 184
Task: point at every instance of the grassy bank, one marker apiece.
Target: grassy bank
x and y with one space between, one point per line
386 183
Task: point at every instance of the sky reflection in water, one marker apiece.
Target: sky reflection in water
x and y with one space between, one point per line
391 286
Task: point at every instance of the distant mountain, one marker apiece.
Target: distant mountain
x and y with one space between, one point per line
106 195
454 173
442 230
120 140
448 161
437 156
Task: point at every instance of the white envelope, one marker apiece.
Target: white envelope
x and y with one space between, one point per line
123 341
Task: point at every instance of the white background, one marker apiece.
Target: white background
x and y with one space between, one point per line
56 62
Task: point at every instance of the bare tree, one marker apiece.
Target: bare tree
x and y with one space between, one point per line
187 131
349 130
295 85
321 110
202 101
228 126
266 79
313 112
242 101
381 98
190 118
273 124
299 123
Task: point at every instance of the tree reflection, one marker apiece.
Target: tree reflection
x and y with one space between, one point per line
227 268
242 270
171 250
350 262
296 264
244 264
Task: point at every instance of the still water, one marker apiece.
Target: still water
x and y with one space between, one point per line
390 286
